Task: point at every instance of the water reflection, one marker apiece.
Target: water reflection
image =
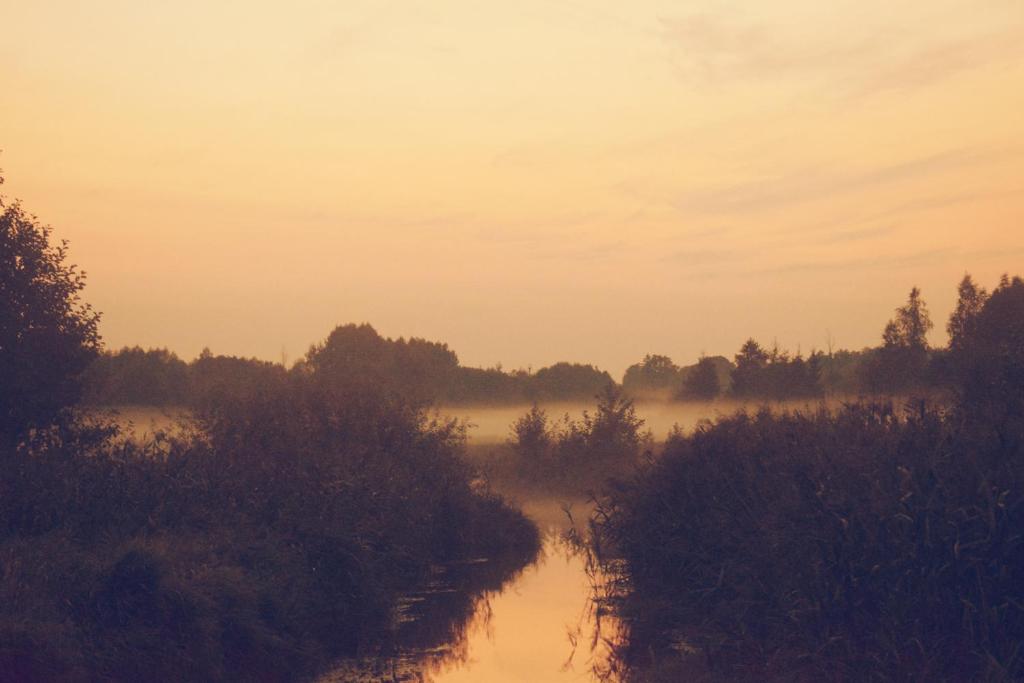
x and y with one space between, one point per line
484 622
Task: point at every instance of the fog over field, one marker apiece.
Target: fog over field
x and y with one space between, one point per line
490 424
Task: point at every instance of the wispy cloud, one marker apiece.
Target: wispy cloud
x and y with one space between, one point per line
848 236
716 50
925 257
706 257
713 50
817 183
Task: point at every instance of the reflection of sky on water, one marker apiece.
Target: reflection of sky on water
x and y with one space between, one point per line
537 626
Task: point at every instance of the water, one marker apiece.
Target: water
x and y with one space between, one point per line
539 626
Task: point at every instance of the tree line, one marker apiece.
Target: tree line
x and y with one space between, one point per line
354 356
426 371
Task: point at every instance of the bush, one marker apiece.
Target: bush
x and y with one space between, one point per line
858 546
574 455
277 536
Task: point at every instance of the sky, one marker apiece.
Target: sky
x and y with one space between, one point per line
529 182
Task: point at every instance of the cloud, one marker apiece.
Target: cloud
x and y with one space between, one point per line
848 236
711 50
706 257
865 263
848 62
816 183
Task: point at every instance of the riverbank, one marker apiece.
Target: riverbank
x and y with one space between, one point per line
276 539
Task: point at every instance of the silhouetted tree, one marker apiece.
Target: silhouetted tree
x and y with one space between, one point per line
48 336
746 376
568 381
357 358
530 440
701 382
136 376
654 373
900 363
913 322
969 303
990 357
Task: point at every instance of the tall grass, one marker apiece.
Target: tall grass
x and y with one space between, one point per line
274 537
864 544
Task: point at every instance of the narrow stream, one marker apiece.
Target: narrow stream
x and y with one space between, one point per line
538 626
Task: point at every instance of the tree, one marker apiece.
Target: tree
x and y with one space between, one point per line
747 375
654 373
900 363
913 322
962 321
530 439
990 358
613 430
48 336
567 381
701 382
357 358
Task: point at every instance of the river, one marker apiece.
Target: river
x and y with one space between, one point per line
539 626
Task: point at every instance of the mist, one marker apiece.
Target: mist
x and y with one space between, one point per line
511 342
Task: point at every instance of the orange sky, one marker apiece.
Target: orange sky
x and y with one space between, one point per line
530 181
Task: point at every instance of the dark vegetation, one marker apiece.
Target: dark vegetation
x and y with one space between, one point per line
357 356
48 336
275 534
570 456
869 543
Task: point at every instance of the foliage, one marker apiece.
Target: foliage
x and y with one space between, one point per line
899 364
136 376
572 455
989 360
48 336
970 301
275 537
655 374
864 544
859 546
567 381
701 383
761 374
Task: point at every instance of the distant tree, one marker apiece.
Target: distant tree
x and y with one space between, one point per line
530 440
48 336
654 373
136 376
990 356
487 385
216 380
913 321
357 358
747 376
568 381
613 430
970 301
900 363
701 383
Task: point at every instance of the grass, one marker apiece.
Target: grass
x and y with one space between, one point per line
275 538
863 544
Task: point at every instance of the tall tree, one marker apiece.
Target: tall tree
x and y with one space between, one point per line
971 299
48 336
900 363
747 375
913 321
